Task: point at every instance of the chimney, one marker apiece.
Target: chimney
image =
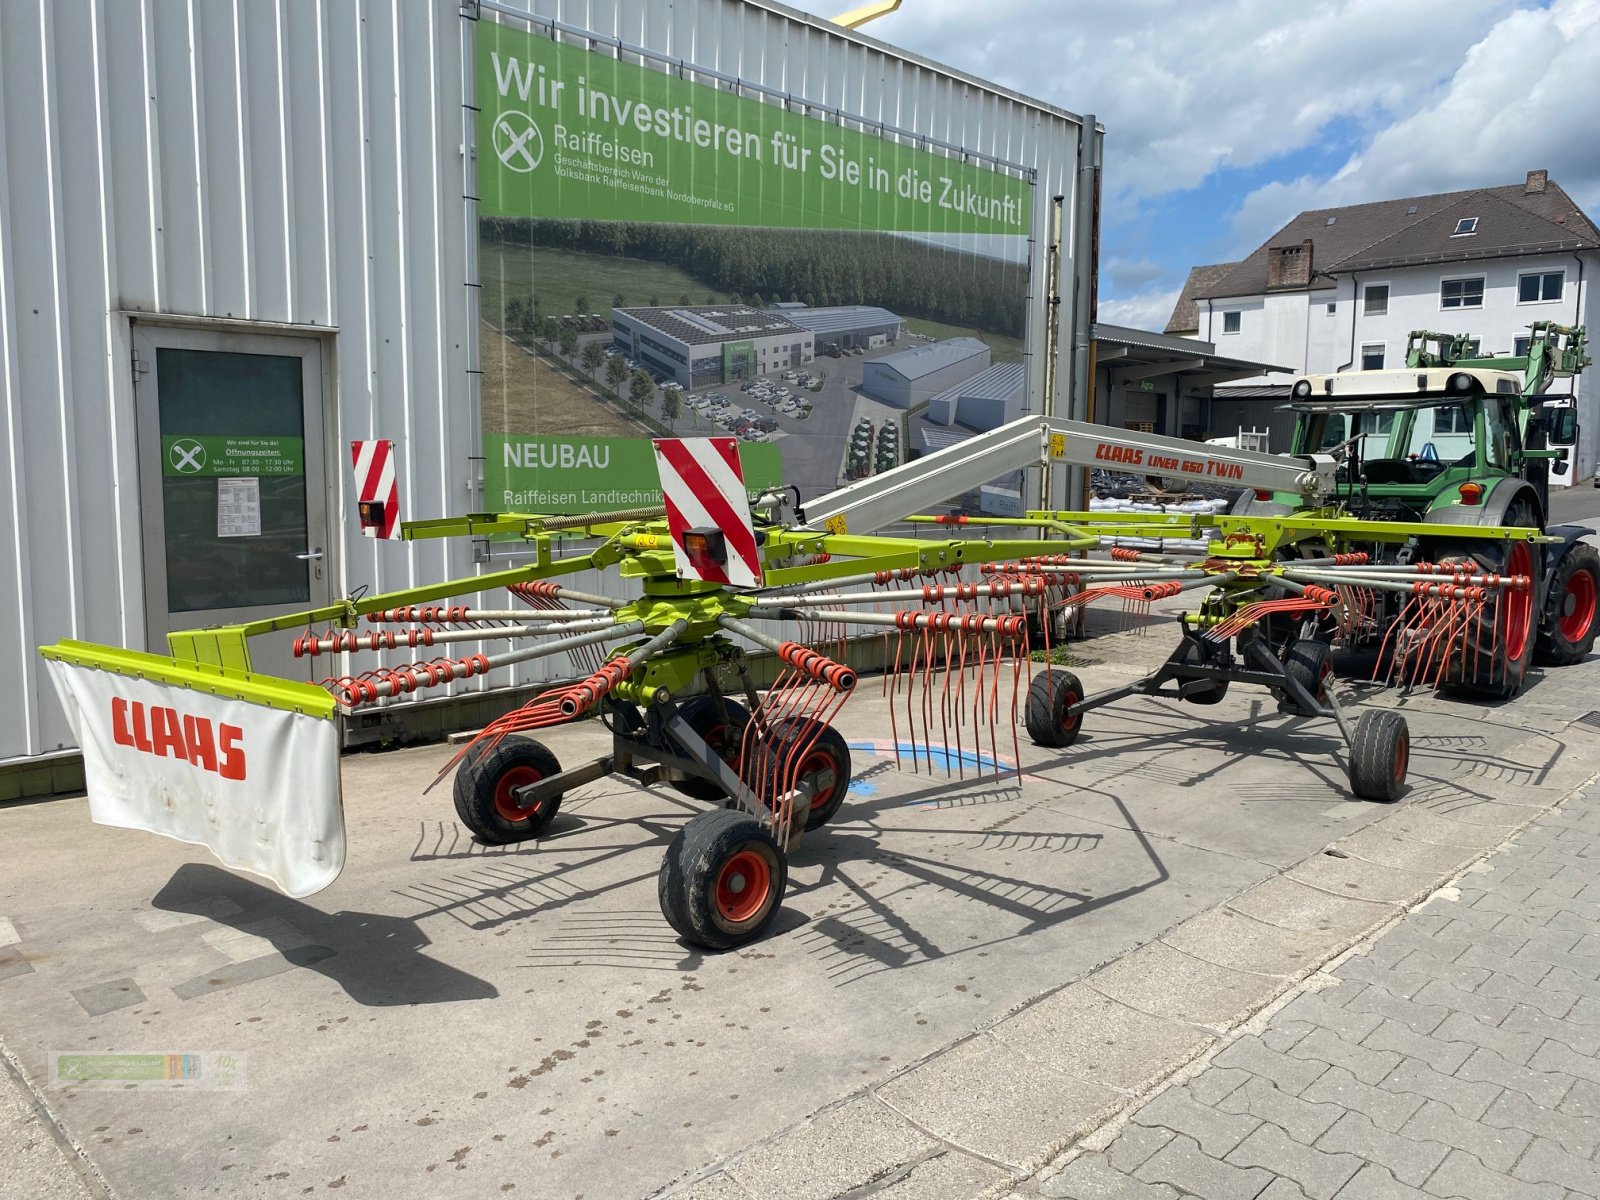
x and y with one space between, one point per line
1289 266
1537 182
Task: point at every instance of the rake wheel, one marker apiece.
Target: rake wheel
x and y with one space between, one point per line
722 729
722 880
826 763
485 791
1567 630
1309 662
1491 657
1050 695
1380 751
1209 691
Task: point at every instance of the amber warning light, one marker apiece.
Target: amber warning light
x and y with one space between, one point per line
706 545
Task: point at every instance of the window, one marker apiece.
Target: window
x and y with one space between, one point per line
1376 300
1372 356
1521 345
1473 347
1411 210
1539 287
1230 322
1465 226
1452 418
1461 293
1332 308
1331 220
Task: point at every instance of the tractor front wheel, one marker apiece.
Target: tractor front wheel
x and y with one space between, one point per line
486 787
722 880
1048 714
1567 631
1380 751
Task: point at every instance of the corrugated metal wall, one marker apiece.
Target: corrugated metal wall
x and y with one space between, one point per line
293 161
300 162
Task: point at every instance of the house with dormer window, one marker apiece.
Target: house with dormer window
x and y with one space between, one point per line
1338 289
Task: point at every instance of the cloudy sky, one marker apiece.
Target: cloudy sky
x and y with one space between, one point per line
1224 118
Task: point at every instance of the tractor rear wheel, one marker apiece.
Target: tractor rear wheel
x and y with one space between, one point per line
720 727
1047 717
824 764
1490 657
1568 627
1380 751
485 790
1309 662
722 880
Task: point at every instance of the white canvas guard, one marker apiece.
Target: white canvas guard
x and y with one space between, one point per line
257 786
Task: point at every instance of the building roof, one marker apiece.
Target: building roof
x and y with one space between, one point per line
1144 348
710 324
935 356
1535 216
935 439
1185 316
838 318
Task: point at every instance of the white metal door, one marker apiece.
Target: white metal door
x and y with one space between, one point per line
232 481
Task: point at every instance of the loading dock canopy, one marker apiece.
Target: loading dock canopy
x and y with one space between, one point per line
1131 355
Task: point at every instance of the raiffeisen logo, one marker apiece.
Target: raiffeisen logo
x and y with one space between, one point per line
517 142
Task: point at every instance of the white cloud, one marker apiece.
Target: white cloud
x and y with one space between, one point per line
1146 310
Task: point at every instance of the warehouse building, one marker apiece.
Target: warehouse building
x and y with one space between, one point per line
710 344
908 378
847 326
986 401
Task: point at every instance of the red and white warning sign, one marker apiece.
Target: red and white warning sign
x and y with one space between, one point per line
377 492
708 510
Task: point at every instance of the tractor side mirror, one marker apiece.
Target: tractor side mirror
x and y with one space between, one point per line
1565 427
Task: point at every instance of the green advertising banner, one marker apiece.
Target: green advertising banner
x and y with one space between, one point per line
556 474
227 455
565 132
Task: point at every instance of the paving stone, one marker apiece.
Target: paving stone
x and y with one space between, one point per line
1404 984
1366 880
1282 1189
1490 1009
1281 1035
1372 1182
1318 1173
1409 936
1409 1159
1084 1034
1419 824
1531 1023
1531 930
1534 955
1585 1012
108 997
1546 1162
1466 921
1158 979
1462 975
987 1097
1462 1177
1302 1121
945 1176
1582 1101
1545 999
1419 1018
1560 979
1386 846
1540 1086
1574 1134
1295 905
1185 1165
1555 1058
1497 1146
1232 939
1388 1108
1090 1177
1293 1075
1331 1010
1369 1066
1135 1144
1217 1132
1460 1030
1469 1098
847 1148
1215 1082
1438 1052
720 1186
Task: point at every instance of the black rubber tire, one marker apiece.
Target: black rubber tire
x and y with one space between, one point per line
1380 752
705 871
1309 662
483 784
724 736
1570 596
1045 715
1213 692
828 752
1472 668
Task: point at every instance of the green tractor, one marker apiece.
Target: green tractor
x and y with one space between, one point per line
1458 439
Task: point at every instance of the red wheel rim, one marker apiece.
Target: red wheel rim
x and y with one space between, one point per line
1577 606
814 764
1519 605
1402 757
743 885
1070 719
505 798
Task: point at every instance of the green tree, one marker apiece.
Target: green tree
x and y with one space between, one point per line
655 301
710 299
642 388
671 406
758 300
569 342
616 371
530 319
593 356
683 299
581 304
736 298
618 302
513 315
549 330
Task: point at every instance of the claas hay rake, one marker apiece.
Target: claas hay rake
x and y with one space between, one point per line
668 669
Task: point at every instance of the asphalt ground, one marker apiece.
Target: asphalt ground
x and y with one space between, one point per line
927 1017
